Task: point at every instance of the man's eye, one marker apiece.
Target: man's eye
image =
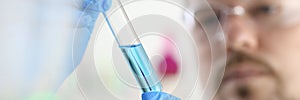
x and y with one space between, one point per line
265 10
218 14
209 18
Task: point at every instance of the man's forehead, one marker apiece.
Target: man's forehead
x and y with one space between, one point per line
201 4
239 2
229 2
286 4
232 3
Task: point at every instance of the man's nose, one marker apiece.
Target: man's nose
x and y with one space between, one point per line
241 34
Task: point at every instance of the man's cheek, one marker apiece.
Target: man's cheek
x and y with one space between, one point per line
282 50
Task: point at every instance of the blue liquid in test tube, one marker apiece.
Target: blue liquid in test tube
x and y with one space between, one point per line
141 67
135 55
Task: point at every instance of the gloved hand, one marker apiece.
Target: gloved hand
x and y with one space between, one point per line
87 14
158 96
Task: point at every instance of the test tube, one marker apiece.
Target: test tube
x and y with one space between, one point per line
134 52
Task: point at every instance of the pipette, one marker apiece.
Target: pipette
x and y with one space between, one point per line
135 55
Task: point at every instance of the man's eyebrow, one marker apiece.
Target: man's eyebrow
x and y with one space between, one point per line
209 9
203 10
214 5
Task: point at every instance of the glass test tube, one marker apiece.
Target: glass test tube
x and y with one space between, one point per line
134 52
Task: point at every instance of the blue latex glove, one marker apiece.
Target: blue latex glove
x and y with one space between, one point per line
88 13
158 96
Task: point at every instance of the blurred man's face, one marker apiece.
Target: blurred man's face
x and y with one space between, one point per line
263 46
